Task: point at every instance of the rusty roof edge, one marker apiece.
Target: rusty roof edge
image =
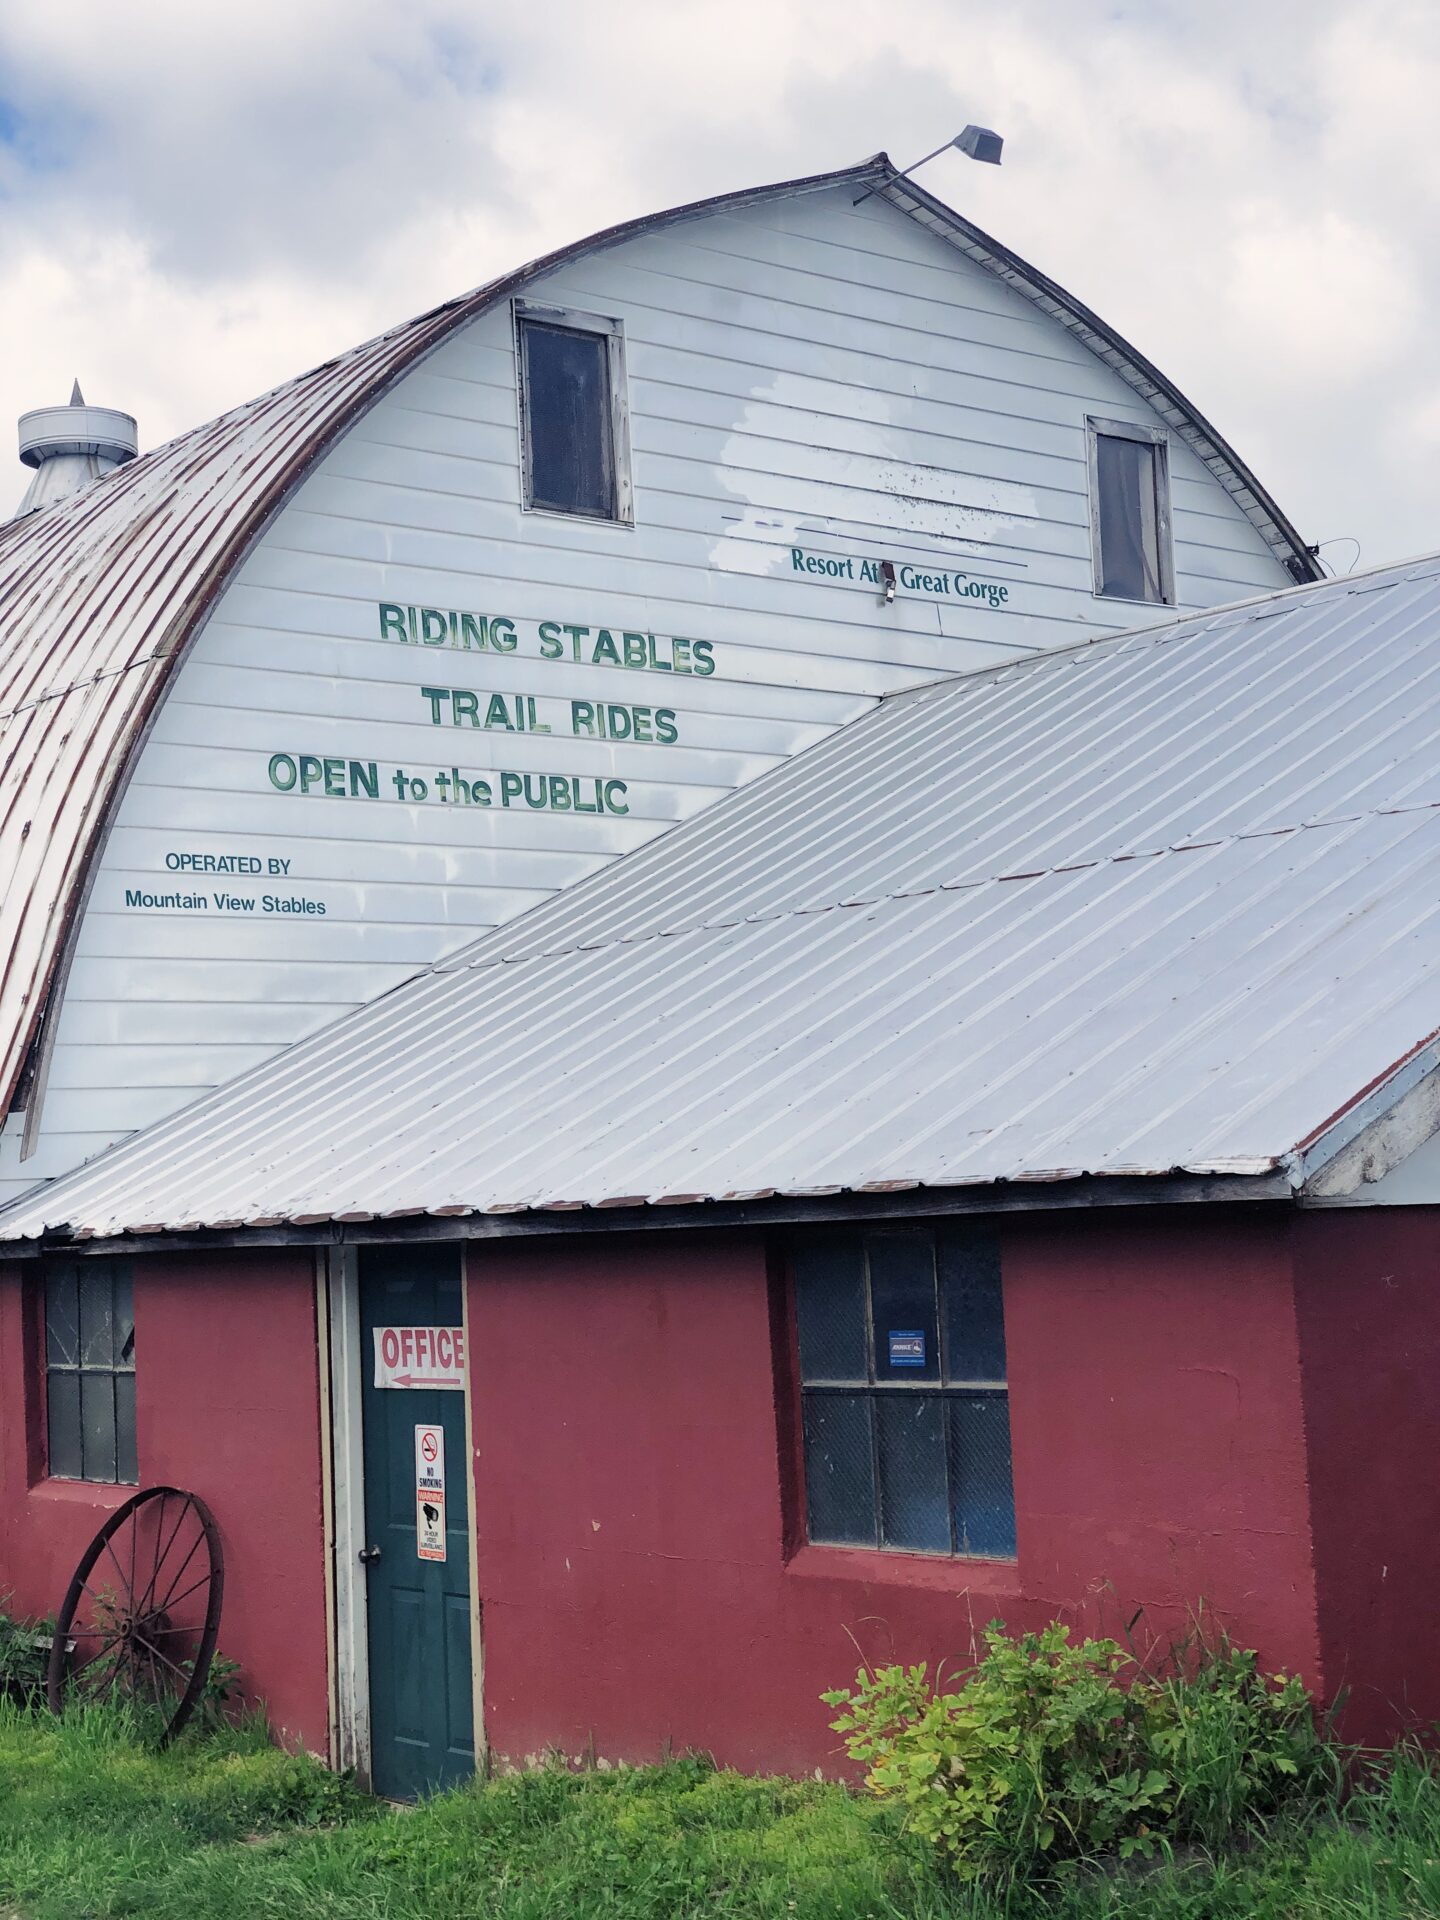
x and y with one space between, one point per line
1061 1193
1307 1165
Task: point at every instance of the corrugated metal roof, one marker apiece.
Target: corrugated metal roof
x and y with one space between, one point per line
101 594
1169 901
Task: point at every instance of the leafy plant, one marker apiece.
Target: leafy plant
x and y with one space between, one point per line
1051 1752
221 1691
24 1657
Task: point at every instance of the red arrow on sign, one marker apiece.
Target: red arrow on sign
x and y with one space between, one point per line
425 1380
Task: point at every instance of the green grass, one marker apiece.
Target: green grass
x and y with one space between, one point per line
95 1823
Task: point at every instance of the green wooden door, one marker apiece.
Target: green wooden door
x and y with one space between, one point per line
422 1728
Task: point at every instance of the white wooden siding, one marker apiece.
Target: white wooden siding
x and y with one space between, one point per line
805 373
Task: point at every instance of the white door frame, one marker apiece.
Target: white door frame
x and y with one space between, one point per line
351 1735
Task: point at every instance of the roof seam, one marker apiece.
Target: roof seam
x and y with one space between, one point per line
77 686
449 968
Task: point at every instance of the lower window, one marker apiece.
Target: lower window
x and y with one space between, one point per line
90 1372
906 1410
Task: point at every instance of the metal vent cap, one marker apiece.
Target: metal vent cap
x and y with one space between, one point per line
47 432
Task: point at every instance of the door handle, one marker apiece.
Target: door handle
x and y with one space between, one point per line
368 1555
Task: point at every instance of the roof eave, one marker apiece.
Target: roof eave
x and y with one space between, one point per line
1373 1134
883 1201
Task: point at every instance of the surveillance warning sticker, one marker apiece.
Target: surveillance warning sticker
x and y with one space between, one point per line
430 1493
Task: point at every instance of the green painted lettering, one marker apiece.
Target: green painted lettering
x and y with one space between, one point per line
392 622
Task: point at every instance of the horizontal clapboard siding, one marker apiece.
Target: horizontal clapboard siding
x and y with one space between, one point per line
805 373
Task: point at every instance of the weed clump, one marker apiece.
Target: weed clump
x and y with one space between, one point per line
24 1658
1051 1754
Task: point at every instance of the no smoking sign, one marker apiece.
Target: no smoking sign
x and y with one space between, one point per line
430 1493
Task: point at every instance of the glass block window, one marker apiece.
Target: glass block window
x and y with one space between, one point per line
906 1411
90 1372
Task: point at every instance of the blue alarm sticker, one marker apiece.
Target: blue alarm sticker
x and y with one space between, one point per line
907 1348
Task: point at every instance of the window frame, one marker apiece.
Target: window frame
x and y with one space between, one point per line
875 1389
1159 439
613 332
79 1368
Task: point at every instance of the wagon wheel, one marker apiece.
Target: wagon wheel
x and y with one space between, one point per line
140 1619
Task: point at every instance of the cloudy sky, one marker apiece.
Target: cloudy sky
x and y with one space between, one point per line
197 201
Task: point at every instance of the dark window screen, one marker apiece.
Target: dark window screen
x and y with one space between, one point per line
568 426
90 1372
1128 479
906 1409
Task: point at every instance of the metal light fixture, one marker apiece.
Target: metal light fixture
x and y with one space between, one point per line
976 143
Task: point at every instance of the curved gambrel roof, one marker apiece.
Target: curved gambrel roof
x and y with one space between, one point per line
101 594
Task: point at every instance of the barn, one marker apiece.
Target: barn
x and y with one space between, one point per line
747 883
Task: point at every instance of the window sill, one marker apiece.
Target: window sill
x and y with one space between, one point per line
108 1494
625 522
1134 600
877 1567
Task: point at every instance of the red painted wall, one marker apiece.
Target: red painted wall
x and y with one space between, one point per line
227 1405
631 1472
1367 1285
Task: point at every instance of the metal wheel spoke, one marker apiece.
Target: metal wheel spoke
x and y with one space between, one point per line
160 1605
99 1674
98 1660
153 1581
173 1601
153 1654
128 1586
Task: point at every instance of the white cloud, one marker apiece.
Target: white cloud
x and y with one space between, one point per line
199 201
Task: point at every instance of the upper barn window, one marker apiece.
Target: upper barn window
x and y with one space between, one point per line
1130 511
575 451
906 1405
90 1372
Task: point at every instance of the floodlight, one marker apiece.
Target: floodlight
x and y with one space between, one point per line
980 144
976 143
